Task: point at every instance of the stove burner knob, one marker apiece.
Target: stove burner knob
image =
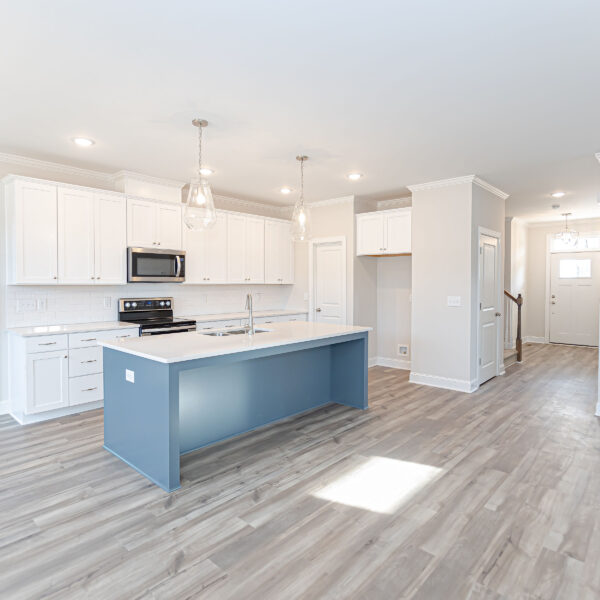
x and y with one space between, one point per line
127 304
162 302
134 304
168 303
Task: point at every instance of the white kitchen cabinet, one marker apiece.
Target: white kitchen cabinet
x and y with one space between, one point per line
279 252
110 239
245 249
47 381
206 253
387 232
92 246
153 224
31 232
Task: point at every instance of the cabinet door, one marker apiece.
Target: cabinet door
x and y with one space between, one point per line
168 226
193 244
215 251
273 258
141 223
397 232
369 234
255 250
35 233
236 248
110 239
75 237
47 381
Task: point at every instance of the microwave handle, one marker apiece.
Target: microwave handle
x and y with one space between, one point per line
178 261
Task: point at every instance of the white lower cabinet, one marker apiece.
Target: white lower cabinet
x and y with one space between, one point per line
47 381
53 372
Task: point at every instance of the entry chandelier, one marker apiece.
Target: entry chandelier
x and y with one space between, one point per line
301 215
199 213
568 237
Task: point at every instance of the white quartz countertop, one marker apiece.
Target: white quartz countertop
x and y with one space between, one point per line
179 347
244 315
72 328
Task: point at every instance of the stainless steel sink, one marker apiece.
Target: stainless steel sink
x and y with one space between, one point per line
233 332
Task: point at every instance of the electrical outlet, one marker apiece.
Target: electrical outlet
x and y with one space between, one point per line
306 296
107 301
130 375
402 350
454 301
42 304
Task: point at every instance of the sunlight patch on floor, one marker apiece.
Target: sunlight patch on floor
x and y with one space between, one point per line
380 484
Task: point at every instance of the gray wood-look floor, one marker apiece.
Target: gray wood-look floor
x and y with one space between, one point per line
509 507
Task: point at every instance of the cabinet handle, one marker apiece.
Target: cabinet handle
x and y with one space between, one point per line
47 344
158 243
123 336
90 389
318 310
55 277
88 361
88 340
97 278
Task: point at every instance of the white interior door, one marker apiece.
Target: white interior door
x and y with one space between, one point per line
329 282
489 281
574 298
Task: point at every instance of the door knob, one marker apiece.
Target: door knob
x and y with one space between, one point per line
318 310
498 314
553 301
553 296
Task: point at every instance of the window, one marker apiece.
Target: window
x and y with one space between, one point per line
586 241
575 268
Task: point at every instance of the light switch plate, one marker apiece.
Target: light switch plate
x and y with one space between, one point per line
42 304
130 375
454 301
26 305
107 301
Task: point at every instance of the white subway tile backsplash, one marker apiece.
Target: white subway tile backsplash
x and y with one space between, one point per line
80 304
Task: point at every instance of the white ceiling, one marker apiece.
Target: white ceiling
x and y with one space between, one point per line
405 92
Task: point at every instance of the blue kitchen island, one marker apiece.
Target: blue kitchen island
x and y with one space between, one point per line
168 395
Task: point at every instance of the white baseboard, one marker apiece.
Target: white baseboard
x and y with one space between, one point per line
458 385
3 408
509 346
533 339
390 363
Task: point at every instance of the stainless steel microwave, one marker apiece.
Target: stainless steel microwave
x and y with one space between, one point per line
153 265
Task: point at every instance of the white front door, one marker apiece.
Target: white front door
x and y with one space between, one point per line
489 280
329 283
574 298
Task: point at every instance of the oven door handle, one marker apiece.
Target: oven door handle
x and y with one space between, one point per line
178 261
168 329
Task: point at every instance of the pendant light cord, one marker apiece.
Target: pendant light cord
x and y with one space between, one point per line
302 181
200 151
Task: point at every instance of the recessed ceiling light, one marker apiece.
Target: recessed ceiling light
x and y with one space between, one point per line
555 206
558 194
286 190
206 171
355 176
83 142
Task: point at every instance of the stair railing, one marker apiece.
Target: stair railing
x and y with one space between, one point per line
518 301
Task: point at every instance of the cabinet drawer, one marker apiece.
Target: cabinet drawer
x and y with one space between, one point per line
46 343
85 361
91 338
300 317
87 388
209 325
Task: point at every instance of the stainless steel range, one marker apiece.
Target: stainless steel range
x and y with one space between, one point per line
153 315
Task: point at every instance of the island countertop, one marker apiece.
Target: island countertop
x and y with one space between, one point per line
179 347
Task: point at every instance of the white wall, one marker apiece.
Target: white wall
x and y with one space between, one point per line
394 275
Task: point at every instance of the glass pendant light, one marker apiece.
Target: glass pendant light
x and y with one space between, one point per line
301 214
568 237
199 213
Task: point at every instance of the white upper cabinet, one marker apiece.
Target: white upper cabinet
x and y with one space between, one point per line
110 238
384 233
245 249
153 224
206 253
91 238
279 252
75 236
32 241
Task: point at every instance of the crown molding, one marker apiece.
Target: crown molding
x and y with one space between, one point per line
457 181
46 165
331 201
147 178
250 204
394 203
490 188
440 183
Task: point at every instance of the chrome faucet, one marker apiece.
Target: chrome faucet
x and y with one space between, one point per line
250 328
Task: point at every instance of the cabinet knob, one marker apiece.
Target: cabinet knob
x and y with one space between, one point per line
55 277
318 310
